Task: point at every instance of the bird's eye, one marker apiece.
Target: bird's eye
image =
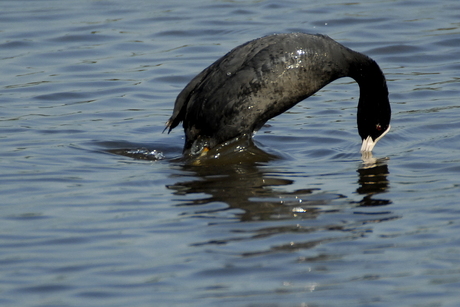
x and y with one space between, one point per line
378 127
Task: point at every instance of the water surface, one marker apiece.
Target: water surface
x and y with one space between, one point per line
297 219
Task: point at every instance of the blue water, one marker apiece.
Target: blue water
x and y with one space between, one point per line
87 219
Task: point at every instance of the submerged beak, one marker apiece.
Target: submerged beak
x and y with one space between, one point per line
368 143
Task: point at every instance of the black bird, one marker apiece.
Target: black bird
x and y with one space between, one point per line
267 76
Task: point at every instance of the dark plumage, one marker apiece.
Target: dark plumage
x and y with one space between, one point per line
265 77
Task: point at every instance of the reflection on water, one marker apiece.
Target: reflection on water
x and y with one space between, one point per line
261 193
237 175
372 181
242 180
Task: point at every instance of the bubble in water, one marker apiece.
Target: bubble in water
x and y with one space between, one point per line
146 154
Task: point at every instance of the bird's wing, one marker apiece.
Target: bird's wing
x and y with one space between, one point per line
234 60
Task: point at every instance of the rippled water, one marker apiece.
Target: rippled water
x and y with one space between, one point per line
295 220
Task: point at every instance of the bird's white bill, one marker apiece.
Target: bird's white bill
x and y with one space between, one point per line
368 143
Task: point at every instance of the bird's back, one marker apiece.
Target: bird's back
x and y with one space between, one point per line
255 82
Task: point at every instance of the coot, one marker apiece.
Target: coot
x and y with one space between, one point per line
264 77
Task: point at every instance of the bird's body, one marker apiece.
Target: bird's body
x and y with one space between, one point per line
265 77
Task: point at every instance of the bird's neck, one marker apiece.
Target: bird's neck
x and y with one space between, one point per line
370 78
373 106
